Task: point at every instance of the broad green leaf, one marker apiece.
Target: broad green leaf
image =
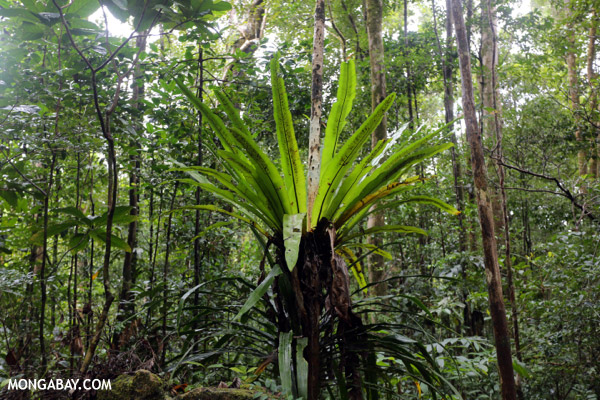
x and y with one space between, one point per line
221 6
121 216
83 8
422 200
334 171
78 242
293 171
19 13
285 361
259 292
260 181
52 230
339 111
292 234
240 189
301 368
213 120
117 242
232 112
385 228
372 248
269 171
10 196
244 206
390 170
521 369
365 166
357 206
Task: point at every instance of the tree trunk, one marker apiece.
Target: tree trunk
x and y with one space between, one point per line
573 83
495 122
199 159
320 284
594 165
314 139
126 306
250 31
409 92
494 283
43 267
492 107
165 276
374 9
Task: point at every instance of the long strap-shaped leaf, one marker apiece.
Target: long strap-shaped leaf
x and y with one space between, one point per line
293 171
368 200
385 228
242 206
390 170
256 178
213 120
362 169
355 266
242 190
336 169
248 221
262 162
442 205
339 111
232 112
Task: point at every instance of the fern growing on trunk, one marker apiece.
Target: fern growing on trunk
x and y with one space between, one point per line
311 281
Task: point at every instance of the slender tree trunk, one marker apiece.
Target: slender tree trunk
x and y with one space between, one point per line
316 99
409 92
594 165
199 160
338 33
494 283
498 158
126 305
374 9
74 337
250 31
88 307
43 267
311 323
358 49
573 84
166 276
492 107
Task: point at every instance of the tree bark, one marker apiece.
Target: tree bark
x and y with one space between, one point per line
492 107
250 31
126 306
409 91
199 159
573 84
494 283
314 139
495 122
594 165
374 10
165 276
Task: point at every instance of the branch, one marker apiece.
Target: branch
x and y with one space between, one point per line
9 160
566 192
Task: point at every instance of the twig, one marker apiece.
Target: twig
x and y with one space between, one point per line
566 192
